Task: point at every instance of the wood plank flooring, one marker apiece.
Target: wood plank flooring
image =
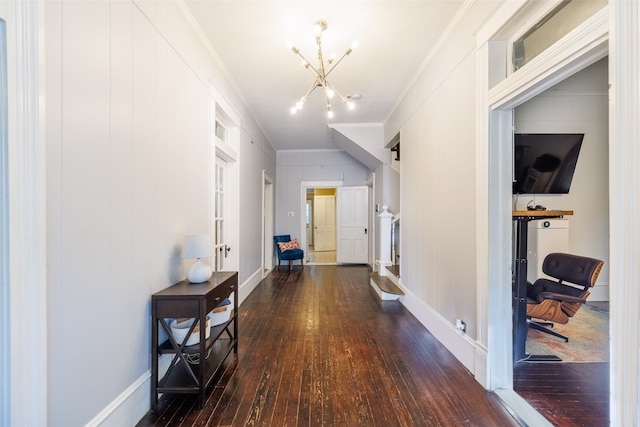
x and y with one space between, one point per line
317 347
566 394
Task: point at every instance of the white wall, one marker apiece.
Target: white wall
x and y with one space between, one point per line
438 178
296 166
128 176
578 105
437 124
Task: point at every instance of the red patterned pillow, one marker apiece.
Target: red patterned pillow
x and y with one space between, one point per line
284 246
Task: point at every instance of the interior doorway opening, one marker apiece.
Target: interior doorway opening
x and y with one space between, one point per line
503 95
307 187
320 223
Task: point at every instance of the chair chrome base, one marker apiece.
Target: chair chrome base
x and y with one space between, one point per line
541 327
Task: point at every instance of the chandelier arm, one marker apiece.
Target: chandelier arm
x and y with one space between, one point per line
347 53
329 110
312 88
308 65
321 75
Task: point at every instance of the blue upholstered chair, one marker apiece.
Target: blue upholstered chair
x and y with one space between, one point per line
290 254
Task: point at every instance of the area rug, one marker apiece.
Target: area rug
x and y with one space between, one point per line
588 333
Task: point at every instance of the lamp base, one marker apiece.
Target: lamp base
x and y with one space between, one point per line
199 272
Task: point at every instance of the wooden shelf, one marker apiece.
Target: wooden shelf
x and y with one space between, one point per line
179 380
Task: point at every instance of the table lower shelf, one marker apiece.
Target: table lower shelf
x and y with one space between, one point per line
178 379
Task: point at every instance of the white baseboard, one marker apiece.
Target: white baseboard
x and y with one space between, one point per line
129 407
249 285
480 372
457 342
521 409
600 292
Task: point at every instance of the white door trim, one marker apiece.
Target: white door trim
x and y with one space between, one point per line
304 185
624 200
23 248
267 223
371 183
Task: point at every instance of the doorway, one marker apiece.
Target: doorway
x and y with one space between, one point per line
321 225
570 55
306 189
577 104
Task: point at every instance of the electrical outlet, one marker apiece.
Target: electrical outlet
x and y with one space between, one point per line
461 325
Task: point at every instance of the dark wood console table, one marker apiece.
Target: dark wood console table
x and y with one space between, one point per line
519 291
185 299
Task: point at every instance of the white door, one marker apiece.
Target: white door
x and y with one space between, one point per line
353 225
324 220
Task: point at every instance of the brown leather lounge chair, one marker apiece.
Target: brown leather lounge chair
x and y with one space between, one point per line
555 301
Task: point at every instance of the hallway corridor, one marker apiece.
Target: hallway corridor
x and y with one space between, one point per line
317 347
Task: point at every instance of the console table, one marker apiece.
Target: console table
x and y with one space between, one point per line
519 291
184 299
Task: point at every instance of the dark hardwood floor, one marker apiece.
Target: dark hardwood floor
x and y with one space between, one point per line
567 394
317 347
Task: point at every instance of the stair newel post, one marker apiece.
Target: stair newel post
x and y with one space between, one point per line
385 241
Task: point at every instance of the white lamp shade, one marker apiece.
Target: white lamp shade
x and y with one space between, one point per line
197 246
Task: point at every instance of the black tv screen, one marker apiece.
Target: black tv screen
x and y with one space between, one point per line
545 163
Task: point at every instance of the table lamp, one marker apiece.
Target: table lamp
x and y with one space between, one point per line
198 246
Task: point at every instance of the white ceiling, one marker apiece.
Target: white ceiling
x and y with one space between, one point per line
250 38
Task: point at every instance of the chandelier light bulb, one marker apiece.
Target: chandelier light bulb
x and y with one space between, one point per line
293 110
330 114
355 44
351 106
330 92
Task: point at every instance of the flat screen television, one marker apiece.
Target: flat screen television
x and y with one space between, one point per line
544 163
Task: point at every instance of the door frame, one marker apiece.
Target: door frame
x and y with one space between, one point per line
267 223
583 47
371 183
23 244
304 185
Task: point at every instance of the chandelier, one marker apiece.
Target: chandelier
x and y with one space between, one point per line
321 73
